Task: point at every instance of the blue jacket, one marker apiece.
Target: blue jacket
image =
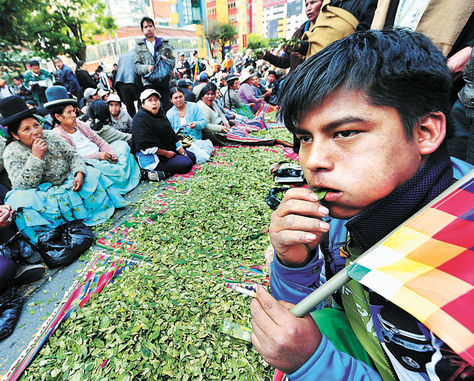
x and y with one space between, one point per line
126 70
413 352
68 78
193 114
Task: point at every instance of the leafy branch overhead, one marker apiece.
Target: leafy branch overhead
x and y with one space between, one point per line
55 27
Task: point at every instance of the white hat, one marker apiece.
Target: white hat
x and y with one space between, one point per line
245 76
148 93
103 92
89 92
113 98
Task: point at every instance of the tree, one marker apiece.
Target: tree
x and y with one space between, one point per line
227 34
212 36
53 27
13 29
255 41
220 34
67 27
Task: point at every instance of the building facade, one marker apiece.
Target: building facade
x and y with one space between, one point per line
245 15
281 18
182 22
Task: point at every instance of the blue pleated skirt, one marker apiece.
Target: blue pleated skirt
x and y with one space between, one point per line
47 206
125 174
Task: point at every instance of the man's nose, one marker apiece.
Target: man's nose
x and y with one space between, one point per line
320 156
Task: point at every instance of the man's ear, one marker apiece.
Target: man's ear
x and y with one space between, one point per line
430 132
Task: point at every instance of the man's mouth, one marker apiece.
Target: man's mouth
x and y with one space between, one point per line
331 194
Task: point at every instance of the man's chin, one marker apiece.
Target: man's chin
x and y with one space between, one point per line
342 213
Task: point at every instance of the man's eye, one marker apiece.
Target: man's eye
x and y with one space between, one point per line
345 133
304 139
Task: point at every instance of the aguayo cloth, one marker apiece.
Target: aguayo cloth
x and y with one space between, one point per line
125 174
45 207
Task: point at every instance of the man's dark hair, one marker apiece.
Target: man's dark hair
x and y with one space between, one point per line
146 19
396 68
34 63
99 68
272 72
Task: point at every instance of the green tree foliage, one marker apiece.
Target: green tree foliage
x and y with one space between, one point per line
226 36
212 36
221 34
13 30
67 27
256 41
54 27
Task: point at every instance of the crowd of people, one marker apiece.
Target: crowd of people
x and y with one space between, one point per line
73 146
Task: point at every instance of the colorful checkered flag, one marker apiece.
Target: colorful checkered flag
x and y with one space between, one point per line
425 266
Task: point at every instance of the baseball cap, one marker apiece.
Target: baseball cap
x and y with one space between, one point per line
103 92
148 93
113 98
89 92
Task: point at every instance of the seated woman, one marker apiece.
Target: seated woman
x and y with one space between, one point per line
114 161
187 119
217 123
230 93
101 123
154 142
246 93
50 180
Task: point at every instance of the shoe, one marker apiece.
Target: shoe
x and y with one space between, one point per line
158 175
28 273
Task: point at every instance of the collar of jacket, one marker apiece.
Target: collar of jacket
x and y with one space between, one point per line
374 223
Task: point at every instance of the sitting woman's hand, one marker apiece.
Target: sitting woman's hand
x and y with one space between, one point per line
226 128
78 181
110 157
113 158
38 148
6 216
192 125
169 154
182 151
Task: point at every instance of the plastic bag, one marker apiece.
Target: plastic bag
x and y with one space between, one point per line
65 243
10 310
202 149
19 249
161 73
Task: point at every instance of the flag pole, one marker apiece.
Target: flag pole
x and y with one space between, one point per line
321 293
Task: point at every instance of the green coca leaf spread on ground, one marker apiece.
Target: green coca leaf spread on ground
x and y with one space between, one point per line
162 319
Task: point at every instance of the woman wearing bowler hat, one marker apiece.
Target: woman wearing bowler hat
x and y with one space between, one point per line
114 161
51 183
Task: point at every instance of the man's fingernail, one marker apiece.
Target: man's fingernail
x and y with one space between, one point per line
313 196
310 236
323 210
324 226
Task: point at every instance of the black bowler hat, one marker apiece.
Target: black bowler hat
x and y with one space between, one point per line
58 96
14 109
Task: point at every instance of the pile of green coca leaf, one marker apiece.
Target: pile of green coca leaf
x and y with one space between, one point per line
162 319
